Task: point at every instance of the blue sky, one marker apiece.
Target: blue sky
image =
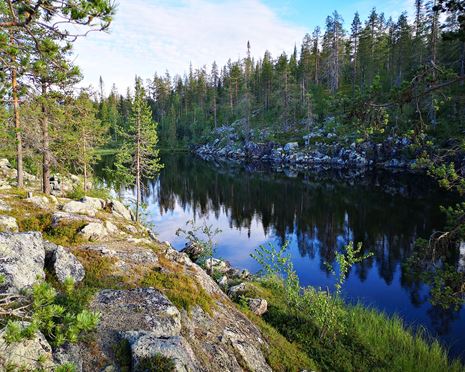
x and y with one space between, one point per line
151 36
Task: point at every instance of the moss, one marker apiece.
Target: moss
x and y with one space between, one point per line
65 234
157 362
122 352
37 222
99 270
181 289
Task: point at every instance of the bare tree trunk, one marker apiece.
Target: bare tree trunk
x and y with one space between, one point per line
138 185
433 46
215 118
45 145
84 155
17 124
231 104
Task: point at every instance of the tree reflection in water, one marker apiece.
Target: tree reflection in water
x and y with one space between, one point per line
321 212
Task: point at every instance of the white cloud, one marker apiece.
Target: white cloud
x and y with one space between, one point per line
152 35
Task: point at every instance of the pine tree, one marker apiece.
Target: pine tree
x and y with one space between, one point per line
138 157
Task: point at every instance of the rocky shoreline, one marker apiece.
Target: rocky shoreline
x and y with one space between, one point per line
320 149
210 335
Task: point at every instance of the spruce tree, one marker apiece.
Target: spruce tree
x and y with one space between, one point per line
138 156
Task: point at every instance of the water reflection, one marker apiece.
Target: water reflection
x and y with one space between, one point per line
317 213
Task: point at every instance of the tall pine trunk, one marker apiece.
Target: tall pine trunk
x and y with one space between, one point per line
17 124
46 158
138 170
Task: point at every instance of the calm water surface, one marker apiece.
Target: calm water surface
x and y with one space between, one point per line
317 214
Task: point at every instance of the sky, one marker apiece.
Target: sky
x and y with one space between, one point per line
149 36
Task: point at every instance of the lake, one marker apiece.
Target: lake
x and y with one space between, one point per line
317 213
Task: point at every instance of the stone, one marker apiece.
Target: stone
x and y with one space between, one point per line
22 257
94 231
251 357
63 263
131 229
217 265
38 201
238 290
291 146
223 282
112 229
258 306
144 309
59 218
80 208
194 250
69 353
4 207
95 203
8 224
145 345
5 163
25 354
119 210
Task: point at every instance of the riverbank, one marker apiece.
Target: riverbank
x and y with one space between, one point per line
188 316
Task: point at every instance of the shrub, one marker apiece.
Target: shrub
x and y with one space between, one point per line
61 317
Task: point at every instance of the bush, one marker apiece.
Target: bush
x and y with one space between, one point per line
61 317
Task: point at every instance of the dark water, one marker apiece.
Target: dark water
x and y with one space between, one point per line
317 214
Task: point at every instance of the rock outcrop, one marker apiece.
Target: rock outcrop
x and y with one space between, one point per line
30 354
8 224
22 258
63 263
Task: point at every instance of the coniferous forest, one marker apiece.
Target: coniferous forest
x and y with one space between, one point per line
311 201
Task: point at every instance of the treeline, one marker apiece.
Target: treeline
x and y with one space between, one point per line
44 123
370 76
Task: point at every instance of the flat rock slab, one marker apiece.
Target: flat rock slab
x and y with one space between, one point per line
146 345
141 309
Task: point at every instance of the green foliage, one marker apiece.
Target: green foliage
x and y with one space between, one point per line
335 335
138 156
61 317
346 260
201 236
429 265
67 367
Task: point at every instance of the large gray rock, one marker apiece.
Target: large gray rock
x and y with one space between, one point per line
69 353
95 203
119 210
252 358
291 146
4 207
26 354
41 202
63 263
94 231
258 306
8 224
194 250
141 309
80 208
22 257
146 345
238 290
5 163
64 218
